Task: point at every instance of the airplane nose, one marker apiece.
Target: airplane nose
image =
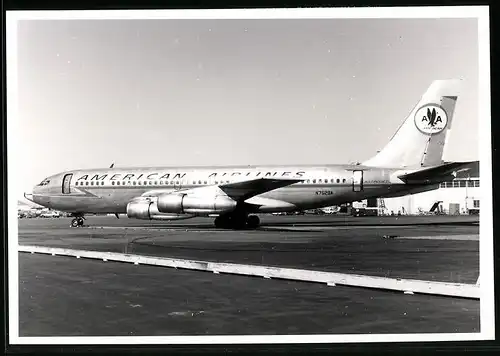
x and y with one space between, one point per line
29 196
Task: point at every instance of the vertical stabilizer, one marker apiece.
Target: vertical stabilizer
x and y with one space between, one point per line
420 140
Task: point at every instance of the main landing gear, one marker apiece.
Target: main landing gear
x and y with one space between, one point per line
237 222
77 221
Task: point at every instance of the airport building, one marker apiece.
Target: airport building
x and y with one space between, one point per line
460 196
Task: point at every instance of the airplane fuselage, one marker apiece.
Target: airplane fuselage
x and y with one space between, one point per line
110 190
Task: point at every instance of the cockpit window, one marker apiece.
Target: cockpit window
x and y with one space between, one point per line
44 182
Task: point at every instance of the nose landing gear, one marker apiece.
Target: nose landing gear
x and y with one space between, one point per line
77 222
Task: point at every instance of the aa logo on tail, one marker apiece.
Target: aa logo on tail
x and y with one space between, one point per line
431 119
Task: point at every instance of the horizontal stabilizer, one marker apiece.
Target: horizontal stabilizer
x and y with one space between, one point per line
243 190
436 174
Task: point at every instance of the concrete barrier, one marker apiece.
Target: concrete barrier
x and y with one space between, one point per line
408 286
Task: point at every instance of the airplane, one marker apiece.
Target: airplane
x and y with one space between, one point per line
410 163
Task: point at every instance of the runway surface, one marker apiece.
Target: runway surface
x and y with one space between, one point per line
119 299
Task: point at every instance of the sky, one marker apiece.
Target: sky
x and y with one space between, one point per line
222 92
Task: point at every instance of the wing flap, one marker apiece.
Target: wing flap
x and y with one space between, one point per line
244 190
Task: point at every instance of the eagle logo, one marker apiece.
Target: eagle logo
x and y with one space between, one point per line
431 119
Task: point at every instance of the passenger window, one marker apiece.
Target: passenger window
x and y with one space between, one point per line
314 180
86 183
343 180
320 181
205 182
338 180
156 182
308 181
139 182
113 183
117 183
102 183
199 182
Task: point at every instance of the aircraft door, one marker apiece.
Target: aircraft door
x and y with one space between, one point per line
66 185
357 181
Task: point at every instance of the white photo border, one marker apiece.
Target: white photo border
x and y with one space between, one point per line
487 315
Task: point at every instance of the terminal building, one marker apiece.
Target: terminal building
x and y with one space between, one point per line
460 196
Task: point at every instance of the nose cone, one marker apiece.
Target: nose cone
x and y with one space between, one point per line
29 196
33 195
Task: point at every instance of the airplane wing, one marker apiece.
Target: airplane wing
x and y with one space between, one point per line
244 190
239 191
429 175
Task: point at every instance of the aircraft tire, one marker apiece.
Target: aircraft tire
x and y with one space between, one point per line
75 223
80 221
253 221
238 222
219 222
235 222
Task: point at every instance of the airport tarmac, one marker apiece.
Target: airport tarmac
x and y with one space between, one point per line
120 299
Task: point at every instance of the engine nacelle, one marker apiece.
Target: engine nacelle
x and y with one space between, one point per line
188 204
147 209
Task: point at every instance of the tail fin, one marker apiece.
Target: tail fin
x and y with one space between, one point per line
420 140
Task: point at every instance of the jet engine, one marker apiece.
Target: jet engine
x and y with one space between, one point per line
193 204
147 209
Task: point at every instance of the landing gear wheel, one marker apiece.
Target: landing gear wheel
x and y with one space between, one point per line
238 222
77 222
235 222
218 222
74 222
253 221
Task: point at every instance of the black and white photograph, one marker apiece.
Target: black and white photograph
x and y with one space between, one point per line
246 176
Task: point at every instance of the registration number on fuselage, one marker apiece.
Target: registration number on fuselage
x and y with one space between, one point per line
324 192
